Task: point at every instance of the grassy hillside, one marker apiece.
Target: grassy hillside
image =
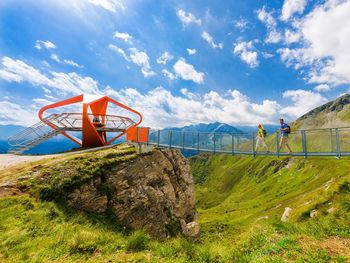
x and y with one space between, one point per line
335 113
240 201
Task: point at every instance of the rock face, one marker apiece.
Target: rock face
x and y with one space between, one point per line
153 191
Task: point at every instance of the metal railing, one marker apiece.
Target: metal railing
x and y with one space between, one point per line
313 142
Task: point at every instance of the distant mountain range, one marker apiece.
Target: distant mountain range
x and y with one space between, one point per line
210 127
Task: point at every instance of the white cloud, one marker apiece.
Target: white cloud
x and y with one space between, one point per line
161 108
15 114
169 74
303 102
187 71
109 5
72 63
245 51
241 24
187 18
207 37
118 50
273 36
290 7
291 37
191 51
123 36
266 17
324 47
39 44
64 83
164 58
267 55
322 88
141 59
56 58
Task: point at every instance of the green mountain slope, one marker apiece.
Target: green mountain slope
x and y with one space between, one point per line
335 113
241 199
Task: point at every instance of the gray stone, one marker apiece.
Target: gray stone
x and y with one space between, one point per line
286 214
154 192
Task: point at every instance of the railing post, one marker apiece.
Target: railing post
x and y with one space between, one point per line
331 138
158 137
304 143
253 146
233 144
183 141
198 142
170 137
337 142
138 134
277 145
214 138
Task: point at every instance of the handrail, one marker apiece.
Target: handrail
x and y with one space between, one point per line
308 142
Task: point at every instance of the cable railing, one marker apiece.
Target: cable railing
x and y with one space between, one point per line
313 142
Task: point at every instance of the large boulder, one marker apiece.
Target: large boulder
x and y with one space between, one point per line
154 191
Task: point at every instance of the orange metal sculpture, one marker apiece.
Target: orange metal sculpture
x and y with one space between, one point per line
93 122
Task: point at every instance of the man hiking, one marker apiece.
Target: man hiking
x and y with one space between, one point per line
260 138
285 130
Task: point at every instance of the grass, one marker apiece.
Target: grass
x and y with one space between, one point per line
240 201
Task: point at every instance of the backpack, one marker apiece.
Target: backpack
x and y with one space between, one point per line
289 129
264 133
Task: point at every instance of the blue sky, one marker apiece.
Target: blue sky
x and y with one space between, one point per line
178 62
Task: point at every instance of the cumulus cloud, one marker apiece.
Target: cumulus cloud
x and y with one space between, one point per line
109 5
163 109
169 74
322 88
273 36
12 113
164 58
207 37
303 102
40 44
141 59
123 36
64 83
187 18
191 51
241 24
187 71
291 36
245 50
290 7
324 47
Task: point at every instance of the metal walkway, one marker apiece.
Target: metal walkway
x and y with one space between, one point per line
60 123
316 142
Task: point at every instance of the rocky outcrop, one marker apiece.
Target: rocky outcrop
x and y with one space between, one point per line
154 191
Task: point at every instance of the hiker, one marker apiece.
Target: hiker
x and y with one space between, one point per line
260 138
285 130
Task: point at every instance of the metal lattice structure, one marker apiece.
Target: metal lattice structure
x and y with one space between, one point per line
93 122
64 122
